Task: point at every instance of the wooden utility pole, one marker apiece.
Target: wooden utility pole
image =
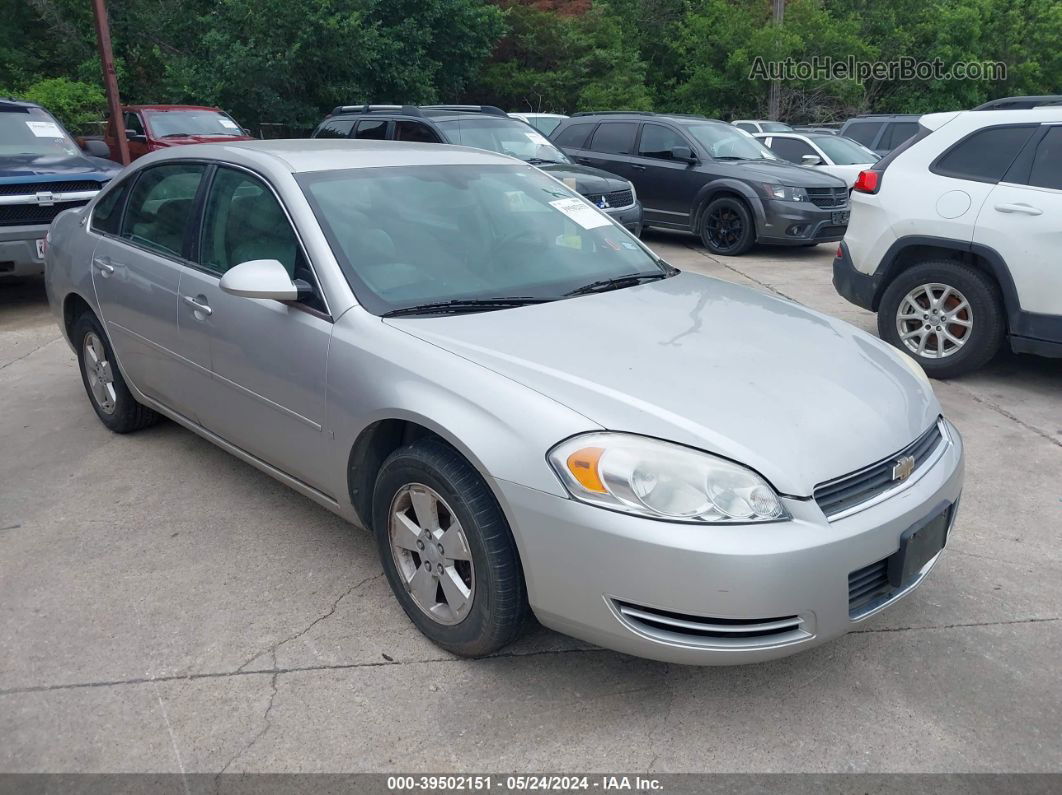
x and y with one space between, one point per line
774 99
110 79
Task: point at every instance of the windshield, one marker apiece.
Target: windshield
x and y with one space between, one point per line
507 136
172 123
775 126
725 142
411 235
844 151
33 133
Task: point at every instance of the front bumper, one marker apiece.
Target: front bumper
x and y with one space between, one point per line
584 565
629 217
800 223
857 287
18 250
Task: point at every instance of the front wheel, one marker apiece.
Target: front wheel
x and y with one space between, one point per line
947 315
447 550
727 227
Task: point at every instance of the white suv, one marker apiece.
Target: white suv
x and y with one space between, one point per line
954 239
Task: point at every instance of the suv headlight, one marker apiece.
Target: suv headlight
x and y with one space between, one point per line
648 477
786 193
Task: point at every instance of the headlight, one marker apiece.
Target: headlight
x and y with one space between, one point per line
785 193
634 193
647 477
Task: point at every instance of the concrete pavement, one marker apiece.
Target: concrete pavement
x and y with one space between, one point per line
166 608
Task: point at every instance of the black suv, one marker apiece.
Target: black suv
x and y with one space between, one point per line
710 178
881 132
485 127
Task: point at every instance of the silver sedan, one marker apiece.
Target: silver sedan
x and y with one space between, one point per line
529 409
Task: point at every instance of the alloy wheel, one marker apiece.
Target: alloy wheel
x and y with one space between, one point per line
99 372
724 227
431 553
934 321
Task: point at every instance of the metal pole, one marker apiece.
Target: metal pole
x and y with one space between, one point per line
110 79
774 99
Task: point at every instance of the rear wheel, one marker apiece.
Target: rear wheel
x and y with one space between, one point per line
111 399
947 315
727 227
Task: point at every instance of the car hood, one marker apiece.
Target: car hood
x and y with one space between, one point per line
40 168
588 181
184 140
780 172
800 397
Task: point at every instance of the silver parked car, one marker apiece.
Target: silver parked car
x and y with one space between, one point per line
527 407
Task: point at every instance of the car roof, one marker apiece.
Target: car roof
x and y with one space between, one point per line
19 103
171 107
300 155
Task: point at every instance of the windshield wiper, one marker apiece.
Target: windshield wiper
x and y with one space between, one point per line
617 283
537 160
458 305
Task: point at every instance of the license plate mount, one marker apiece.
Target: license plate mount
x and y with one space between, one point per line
40 248
918 545
841 217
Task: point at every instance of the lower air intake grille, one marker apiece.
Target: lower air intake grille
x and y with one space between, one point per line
866 585
744 632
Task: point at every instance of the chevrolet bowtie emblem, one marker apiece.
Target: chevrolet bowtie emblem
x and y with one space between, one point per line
903 468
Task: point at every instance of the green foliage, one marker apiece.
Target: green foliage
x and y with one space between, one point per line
77 105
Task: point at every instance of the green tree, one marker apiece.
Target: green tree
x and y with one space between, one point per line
77 105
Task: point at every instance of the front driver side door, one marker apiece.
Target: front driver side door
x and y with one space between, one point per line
268 356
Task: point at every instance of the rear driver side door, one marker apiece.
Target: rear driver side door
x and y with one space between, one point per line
268 357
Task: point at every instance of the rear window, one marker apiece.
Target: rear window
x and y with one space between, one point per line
886 161
896 134
334 128
614 138
985 155
574 136
863 131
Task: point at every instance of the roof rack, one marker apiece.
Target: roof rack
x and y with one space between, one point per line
491 110
1021 103
406 110
641 113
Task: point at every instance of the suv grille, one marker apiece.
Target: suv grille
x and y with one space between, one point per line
618 198
668 626
828 198
28 189
33 214
846 492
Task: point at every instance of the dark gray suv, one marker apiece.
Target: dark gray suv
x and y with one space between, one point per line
710 178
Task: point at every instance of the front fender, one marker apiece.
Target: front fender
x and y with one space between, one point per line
728 185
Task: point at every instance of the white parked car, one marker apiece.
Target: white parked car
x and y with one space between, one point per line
834 154
545 123
954 239
760 125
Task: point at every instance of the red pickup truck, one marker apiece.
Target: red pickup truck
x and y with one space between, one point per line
151 127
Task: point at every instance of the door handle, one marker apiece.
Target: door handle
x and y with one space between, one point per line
636 167
105 268
197 306
1026 209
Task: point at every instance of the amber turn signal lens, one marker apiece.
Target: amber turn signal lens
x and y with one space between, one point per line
583 466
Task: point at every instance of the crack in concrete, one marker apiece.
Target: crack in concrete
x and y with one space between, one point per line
326 615
30 353
266 725
956 626
1004 413
741 273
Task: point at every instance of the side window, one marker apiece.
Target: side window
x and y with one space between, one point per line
614 138
985 155
414 131
161 207
545 124
897 133
132 122
107 214
744 125
791 149
574 136
863 131
1047 162
657 141
243 221
334 128
374 130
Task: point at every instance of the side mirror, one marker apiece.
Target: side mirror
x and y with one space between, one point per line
811 160
682 153
260 278
133 135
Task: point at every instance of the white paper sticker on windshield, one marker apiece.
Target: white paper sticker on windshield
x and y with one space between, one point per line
45 129
537 138
229 123
581 212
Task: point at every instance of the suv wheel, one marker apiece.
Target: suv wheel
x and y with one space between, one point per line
447 550
727 227
110 397
947 315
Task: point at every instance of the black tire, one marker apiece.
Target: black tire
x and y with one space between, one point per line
499 598
126 415
727 227
981 340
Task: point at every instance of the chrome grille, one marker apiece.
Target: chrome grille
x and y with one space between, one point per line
666 625
837 496
30 188
33 214
617 198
